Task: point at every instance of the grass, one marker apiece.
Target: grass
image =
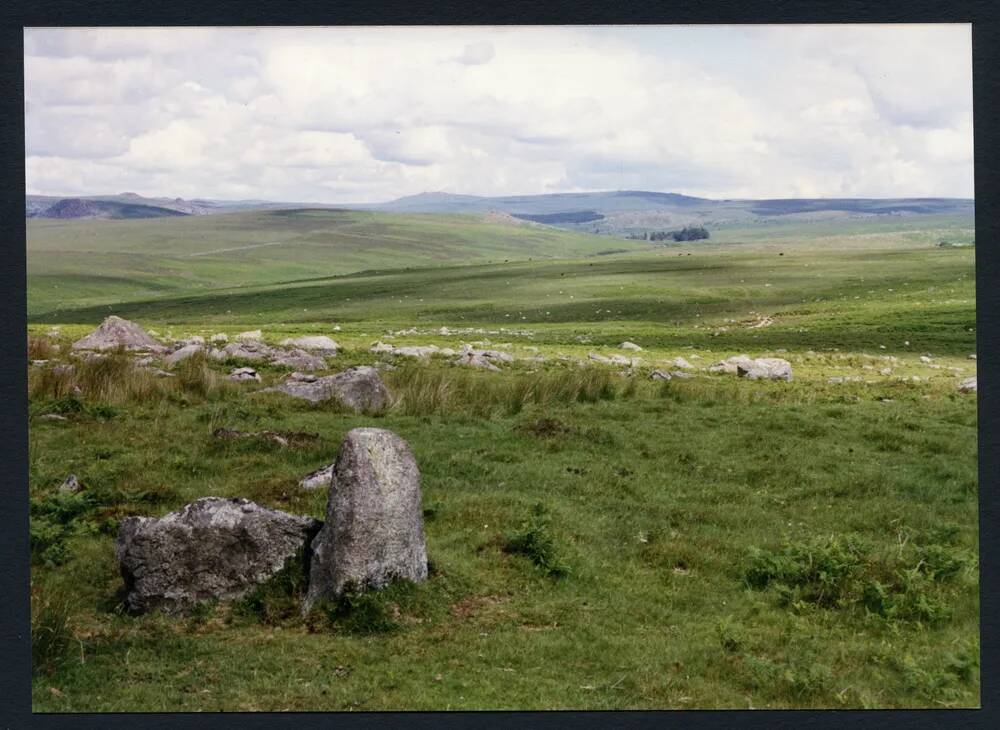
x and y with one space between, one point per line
596 540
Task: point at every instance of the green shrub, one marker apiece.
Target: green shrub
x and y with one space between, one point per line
535 541
280 598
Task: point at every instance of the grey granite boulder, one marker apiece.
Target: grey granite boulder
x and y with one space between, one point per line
117 332
359 388
765 368
213 548
183 353
968 385
375 531
319 343
300 360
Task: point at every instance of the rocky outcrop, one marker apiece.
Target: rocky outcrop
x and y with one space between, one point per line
116 332
213 548
765 368
374 532
244 374
359 388
317 343
762 368
183 353
968 385
300 360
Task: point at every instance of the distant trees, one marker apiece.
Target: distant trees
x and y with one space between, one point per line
688 233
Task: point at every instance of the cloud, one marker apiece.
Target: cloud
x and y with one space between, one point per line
359 114
475 54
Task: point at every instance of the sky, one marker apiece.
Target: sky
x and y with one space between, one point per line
350 115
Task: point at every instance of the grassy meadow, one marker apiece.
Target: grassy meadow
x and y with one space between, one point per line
596 540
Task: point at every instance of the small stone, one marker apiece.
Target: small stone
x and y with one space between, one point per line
317 479
629 346
968 385
242 374
71 485
659 375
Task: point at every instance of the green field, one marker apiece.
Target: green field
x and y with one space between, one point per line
711 542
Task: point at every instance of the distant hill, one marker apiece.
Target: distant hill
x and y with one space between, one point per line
619 212
85 208
131 205
623 212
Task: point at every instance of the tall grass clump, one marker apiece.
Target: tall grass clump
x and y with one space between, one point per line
424 391
193 375
117 379
51 635
41 348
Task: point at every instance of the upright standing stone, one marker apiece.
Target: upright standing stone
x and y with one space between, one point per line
374 531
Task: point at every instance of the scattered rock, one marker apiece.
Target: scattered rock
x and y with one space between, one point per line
968 385
416 350
183 354
38 363
885 371
659 375
766 368
629 346
300 360
319 343
381 347
303 377
52 417
317 479
157 372
680 374
680 362
762 368
844 379
219 338
731 364
252 351
475 360
71 485
116 332
251 336
375 531
924 359
244 374
359 388
213 548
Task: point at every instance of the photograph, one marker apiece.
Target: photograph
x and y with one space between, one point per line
501 367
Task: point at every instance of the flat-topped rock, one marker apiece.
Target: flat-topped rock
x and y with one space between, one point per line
320 343
213 548
359 388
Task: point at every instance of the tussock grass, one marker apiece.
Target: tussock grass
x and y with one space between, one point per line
41 348
116 379
51 636
420 390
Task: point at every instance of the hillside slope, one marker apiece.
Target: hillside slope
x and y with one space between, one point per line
74 263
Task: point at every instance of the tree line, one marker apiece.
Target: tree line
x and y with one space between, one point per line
688 233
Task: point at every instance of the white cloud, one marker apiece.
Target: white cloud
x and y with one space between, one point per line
356 114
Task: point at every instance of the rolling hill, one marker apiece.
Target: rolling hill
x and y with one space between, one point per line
97 262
